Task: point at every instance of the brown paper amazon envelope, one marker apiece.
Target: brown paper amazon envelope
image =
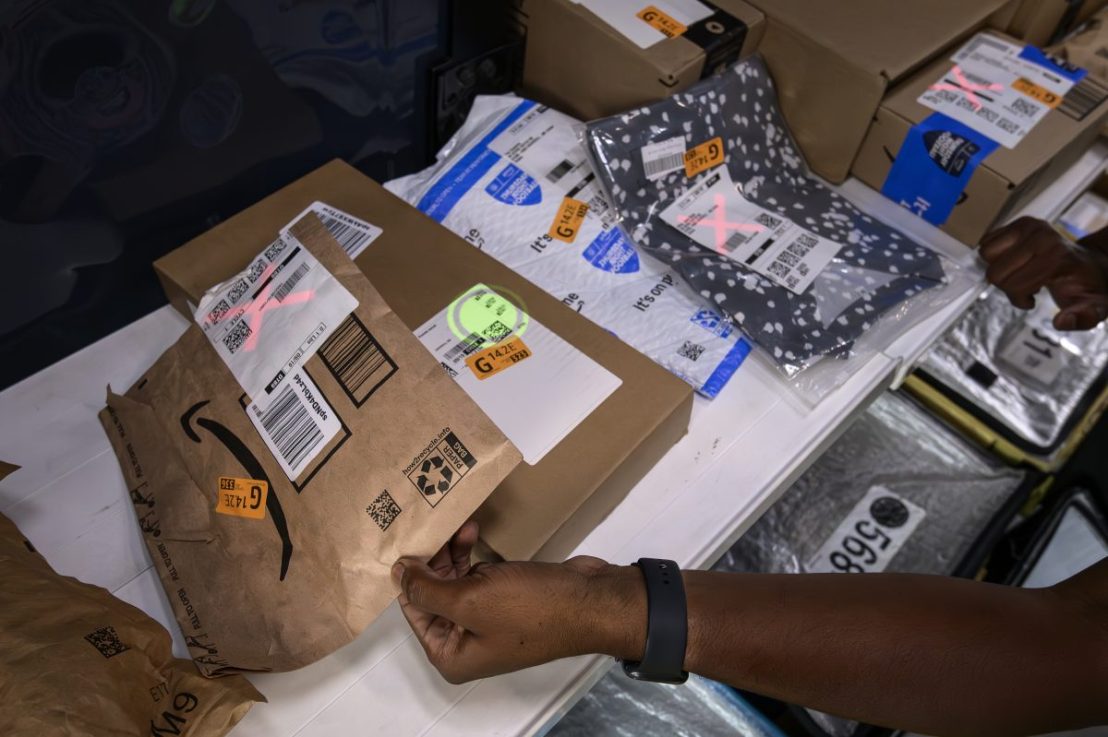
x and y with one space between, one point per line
275 494
76 660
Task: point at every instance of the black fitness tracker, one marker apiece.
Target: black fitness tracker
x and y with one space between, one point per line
667 625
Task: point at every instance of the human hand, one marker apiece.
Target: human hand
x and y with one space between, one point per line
483 620
1028 254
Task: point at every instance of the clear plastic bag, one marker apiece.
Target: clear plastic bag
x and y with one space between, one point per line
711 182
502 183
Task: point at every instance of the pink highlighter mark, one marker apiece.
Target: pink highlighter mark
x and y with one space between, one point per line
722 225
968 88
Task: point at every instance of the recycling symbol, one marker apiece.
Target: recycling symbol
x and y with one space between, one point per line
444 472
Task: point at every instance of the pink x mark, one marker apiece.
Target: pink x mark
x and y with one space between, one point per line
968 88
255 311
721 224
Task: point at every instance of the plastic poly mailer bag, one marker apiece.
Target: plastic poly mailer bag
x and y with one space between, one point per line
710 182
618 706
76 660
1018 371
515 182
274 526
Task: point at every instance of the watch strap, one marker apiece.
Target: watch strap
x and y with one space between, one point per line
667 624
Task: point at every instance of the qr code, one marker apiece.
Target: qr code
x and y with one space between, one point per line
237 336
988 114
216 313
256 270
690 350
383 510
107 641
807 242
1007 126
1025 107
778 269
237 290
768 220
274 249
496 332
789 258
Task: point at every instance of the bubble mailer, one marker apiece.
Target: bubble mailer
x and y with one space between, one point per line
897 445
877 270
1037 417
618 706
502 182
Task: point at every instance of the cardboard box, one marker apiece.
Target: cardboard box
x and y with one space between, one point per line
1006 179
420 267
1044 22
833 63
580 64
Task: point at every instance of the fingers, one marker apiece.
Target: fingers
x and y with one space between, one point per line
1013 272
1003 240
1081 316
422 588
461 547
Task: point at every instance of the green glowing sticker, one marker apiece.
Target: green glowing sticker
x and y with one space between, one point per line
482 315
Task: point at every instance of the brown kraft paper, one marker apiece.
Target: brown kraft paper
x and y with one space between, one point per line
76 660
414 459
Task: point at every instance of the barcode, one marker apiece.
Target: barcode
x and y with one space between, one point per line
559 171
291 427
468 345
238 335
290 283
769 221
664 164
1026 107
358 362
1083 98
735 240
348 234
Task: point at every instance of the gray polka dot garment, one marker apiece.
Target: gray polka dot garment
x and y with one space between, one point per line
876 271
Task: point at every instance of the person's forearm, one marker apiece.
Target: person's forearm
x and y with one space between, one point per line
930 654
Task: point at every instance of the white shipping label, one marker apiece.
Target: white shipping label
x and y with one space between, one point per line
353 234
622 15
659 159
272 317
995 91
870 536
297 424
537 391
717 216
546 149
1033 354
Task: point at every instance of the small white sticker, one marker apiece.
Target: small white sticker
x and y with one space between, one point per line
572 384
870 536
717 216
537 143
269 319
297 424
659 159
353 234
1033 354
994 90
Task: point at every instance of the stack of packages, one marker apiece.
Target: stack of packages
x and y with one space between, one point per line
711 183
74 659
1011 381
898 492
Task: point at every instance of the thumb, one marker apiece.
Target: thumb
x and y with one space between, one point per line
422 588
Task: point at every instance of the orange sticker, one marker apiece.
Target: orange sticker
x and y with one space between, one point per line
704 156
661 22
1037 92
242 497
493 360
568 221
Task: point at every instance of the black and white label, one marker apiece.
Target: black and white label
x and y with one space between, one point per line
268 320
870 536
545 148
297 425
1034 354
717 216
622 16
353 234
663 157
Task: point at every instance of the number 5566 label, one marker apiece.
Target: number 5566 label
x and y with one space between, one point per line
241 497
870 536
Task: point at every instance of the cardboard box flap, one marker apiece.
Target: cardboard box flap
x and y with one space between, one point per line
909 32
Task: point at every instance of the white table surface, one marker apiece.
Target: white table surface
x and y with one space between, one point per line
743 449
